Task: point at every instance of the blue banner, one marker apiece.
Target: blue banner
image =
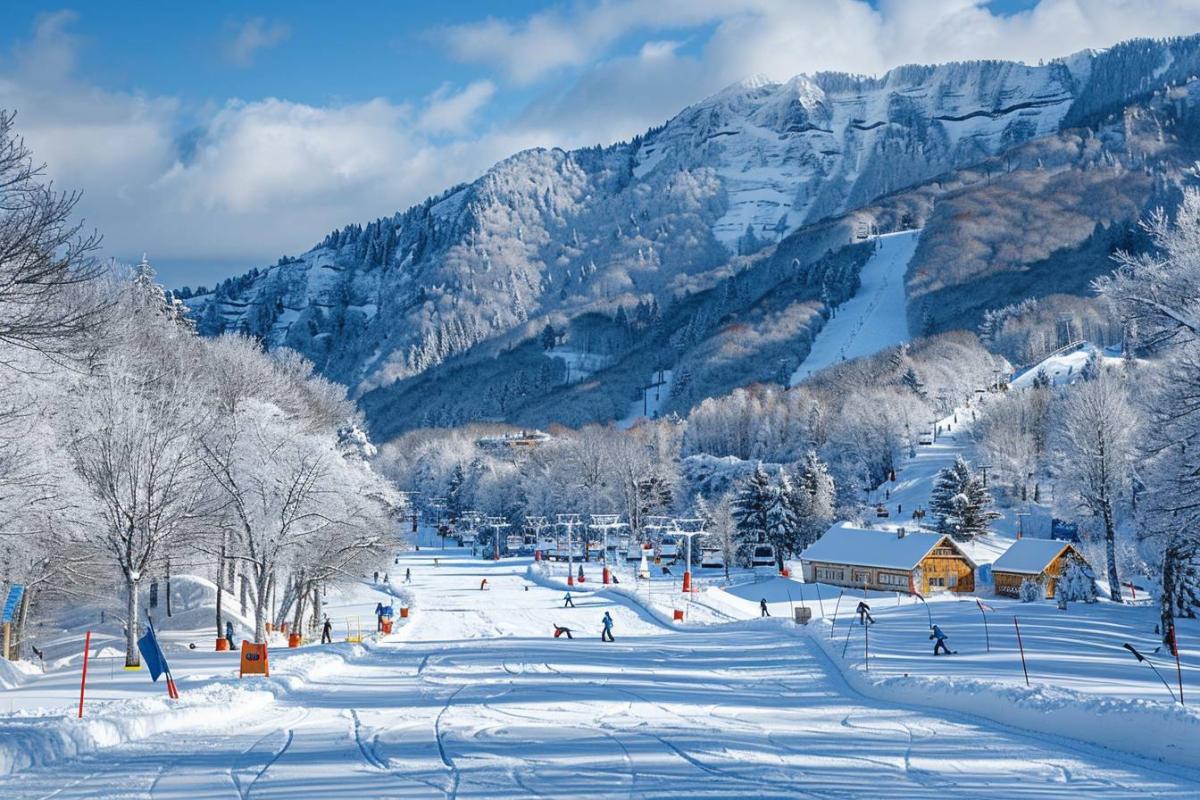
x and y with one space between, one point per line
11 603
152 654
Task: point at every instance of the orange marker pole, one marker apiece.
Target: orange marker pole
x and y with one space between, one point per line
87 641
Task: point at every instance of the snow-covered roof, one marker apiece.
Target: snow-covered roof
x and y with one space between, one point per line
843 544
1029 556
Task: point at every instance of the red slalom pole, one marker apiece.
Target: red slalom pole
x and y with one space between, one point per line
1023 667
87 641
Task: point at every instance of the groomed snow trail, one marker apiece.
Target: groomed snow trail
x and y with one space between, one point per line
475 699
875 318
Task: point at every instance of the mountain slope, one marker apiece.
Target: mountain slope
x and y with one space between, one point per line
762 177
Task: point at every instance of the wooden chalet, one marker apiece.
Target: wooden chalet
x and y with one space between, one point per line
1039 559
894 561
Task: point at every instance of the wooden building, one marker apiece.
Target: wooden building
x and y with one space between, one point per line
1040 559
921 561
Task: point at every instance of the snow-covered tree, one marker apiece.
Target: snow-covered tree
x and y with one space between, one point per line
752 509
1096 457
960 503
1076 584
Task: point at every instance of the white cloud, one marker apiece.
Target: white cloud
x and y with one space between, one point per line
253 180
253 35
454 112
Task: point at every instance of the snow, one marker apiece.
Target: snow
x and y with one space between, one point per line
875 318
1029 556
474 698
844 544
1063 367
654 397
580 364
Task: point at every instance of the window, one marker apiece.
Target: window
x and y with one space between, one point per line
954 579
827 574
891 579
944 551
937 582
860 576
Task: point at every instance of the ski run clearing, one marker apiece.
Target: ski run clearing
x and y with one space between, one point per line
474 697
875 317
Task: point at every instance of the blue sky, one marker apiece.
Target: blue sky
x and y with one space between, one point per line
219 135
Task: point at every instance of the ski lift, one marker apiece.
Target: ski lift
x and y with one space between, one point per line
634 552
763 556
712 558
669 548
514 542
881 511
925 439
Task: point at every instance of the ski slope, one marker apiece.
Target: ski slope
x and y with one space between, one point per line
875 317
474 698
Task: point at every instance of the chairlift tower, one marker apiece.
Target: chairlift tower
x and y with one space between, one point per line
606 523
689 528
569 521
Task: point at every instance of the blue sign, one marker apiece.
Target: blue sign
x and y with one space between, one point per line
14 599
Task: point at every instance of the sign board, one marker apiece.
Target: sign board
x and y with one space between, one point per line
11 603
254 659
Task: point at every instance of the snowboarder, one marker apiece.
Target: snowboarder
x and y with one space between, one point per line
378 617
606 634
408 574
762 608
327 632
864 613
229 632
567 601
483 585
941 641
560 631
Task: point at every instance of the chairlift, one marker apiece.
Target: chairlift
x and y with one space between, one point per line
712 558
881 511
669 547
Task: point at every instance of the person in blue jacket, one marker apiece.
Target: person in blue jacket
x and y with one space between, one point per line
567 601
606 634
941 641
229 633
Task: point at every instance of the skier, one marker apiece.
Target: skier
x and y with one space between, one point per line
666 570
559 631
941 641
435 563
567 601
385 577
327 632
229 632
483 585
762 608
614 578
408 574
864 613
377 576
606 634
378 617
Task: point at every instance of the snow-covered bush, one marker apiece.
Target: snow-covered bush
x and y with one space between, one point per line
1076 584
1031 590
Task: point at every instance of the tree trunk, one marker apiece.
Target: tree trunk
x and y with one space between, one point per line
220 590
1110 552
316 601
242 591
132 657
1168 599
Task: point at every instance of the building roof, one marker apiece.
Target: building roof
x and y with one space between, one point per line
859 547
1030 556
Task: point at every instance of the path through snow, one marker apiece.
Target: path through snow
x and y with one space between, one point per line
474 698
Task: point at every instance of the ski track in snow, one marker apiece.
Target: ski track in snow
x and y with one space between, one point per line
474 698
875 317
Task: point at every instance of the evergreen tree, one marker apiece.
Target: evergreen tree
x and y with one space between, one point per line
752 511
549 337
785 518
960 503
820 493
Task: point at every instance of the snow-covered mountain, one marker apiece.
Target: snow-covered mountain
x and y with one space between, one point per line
758 170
